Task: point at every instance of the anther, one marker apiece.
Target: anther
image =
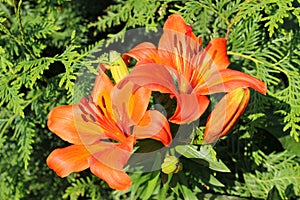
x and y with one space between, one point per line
175 40
92 118
84 118
82 109
83 101
180 48
103 102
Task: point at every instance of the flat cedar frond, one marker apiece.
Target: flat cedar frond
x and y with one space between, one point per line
274 12
282 171
130 14
85 187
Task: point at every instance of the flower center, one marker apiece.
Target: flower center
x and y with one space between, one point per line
99 115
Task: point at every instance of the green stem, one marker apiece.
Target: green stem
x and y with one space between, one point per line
23 40
215 11
234 20
256 61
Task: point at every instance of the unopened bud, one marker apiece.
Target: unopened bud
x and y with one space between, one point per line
118 67
171 165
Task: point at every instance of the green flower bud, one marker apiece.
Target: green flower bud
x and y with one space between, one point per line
171 165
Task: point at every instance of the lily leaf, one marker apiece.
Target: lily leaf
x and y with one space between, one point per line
214 181
206 153
151 185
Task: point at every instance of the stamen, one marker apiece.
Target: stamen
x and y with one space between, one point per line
202 56
87 104
189 50
93 113
208 46
188 30
198 71
91 99
84 101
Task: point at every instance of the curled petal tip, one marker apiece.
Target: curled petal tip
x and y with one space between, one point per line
70 159
264 89
154 125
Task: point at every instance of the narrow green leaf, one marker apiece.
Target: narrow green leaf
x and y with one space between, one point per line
151 185
206 153
187 193
214 181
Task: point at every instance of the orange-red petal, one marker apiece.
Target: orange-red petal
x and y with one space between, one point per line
178 45
143 51
153 125
70 159
101 91
216 50
225 114
108 161
152 76
138 104
189 108
227 80
129 105
67 123
116 179
176 23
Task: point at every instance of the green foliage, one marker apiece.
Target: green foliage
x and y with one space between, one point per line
46 45
205 153
85 187
277 170
131 14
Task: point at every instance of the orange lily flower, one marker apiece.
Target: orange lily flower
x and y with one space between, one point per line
103 130
180 67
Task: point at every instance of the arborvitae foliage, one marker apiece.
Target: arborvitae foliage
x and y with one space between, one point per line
44 45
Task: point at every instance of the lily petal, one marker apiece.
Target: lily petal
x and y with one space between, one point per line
138 104
67 123
176 50
130 106
189 108
108 161
70 159
178 45
101 91
153 125
152 76
143 51
176 23
216 50
116 179
226 113
227 80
